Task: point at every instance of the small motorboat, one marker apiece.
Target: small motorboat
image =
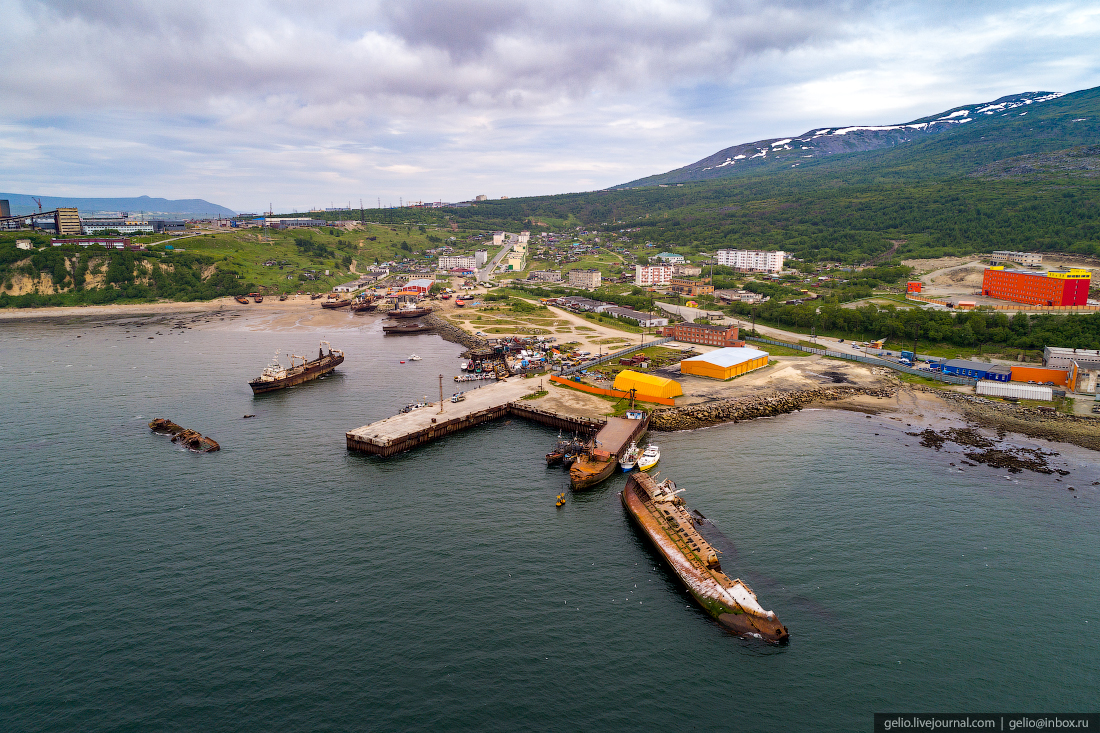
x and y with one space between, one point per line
630 457
414 357
649 457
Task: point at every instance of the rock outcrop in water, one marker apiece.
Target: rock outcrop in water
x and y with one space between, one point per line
1035 422
690 417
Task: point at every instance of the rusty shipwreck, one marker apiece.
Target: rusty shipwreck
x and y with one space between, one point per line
670 526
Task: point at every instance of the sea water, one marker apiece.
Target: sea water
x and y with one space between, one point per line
286 584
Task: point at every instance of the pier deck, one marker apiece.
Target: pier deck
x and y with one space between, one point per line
402 432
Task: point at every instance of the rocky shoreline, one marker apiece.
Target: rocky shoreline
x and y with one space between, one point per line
690 417
1044 424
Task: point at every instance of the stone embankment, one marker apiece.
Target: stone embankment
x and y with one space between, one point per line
1041 423
450 332
690 417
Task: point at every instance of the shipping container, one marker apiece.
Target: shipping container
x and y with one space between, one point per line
1014 389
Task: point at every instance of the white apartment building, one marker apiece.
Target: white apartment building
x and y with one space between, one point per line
751 260
498 239
546 276
650 275
467 262
589 279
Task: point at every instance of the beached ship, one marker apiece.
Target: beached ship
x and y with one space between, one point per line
409 310
340 303
406 328
241 299
661 515
276 376
363 305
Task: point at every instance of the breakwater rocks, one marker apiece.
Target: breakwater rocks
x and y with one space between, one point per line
690 417
1034 422
450 332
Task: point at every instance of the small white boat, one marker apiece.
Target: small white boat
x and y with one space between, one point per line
630 457
414 357
649 458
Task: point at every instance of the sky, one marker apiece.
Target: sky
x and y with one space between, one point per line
297 105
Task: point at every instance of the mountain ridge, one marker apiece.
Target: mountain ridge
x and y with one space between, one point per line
821 147
25 204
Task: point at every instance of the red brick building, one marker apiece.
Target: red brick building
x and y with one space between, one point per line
701 333
1057 287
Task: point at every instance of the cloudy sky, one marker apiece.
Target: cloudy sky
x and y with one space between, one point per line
304 104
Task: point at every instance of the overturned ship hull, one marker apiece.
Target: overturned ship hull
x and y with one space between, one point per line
662 517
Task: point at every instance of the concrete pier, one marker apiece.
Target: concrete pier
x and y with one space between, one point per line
411 429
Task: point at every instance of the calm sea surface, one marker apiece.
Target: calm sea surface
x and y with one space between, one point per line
284 584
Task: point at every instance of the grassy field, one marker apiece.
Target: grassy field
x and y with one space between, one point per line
336 250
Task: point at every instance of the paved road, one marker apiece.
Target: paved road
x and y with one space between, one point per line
484 273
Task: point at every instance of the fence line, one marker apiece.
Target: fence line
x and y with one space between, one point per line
616 355
949 378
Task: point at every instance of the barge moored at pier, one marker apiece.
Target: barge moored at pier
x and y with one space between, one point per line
661 515
602 457
276 376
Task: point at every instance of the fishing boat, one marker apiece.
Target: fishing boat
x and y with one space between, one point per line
630 457
336 303
649 457
256 297
283 297
241 299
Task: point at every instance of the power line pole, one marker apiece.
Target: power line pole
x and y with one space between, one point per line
440 394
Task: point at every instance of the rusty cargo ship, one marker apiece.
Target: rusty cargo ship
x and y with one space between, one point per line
661 515
602 456
275 376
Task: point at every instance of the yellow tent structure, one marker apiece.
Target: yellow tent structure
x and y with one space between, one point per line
647 385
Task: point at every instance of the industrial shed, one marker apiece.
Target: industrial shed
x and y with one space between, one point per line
725 363
647 385
1020 391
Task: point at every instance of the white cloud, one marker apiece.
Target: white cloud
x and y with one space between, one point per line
278 100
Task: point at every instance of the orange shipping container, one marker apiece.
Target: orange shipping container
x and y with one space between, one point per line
1042 375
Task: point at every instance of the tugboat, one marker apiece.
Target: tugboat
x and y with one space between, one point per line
660 514
275 376
649 458
630 458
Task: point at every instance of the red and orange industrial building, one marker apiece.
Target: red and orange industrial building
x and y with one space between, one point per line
1053 288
